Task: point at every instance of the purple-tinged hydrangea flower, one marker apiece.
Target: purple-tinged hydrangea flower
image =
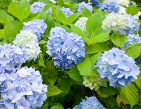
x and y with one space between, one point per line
49 11
81 22
109 5
117 68
90 103
132 38
66 49
36 7
11 59
36 26
29 42
66 11
23 90
125 24
94 82
82 5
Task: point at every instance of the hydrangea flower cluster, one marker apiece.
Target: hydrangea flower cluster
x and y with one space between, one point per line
36 26
124 2
125 24
28 41
81 22
131 25
82 5
109 5
95 2
36 7
94 82
66 11
66 49
11 58
23 90
90 103
117 68
132 38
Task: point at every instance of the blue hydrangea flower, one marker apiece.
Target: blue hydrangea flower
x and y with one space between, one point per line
36 26
95 2
82 5
29 42
117 68
11 59
66 11
23 91
109 5
66 49
36 7
132 38
81 22
90 103
131 25
124 24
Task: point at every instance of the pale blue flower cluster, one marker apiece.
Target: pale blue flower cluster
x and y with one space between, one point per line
11 58
90 103
132 38
117 68
109 5
36 26
66 49
124 24
23 90
131 24
36 7
28 42
82 5
66 11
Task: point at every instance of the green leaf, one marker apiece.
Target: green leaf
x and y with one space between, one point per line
42 42
65 86
106 91
129 94
118 40
53 90
50 24
74 74
41 60
1 33
132 9
138 81
45 106
86 67
94 22
3 42
61 16
63 26
99 47
133 50
57 106
86 12
4 17
99 38
20 10
79 32
73 17
11 29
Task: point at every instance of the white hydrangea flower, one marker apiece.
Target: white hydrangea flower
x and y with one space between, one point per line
81 22
124 2
29 42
